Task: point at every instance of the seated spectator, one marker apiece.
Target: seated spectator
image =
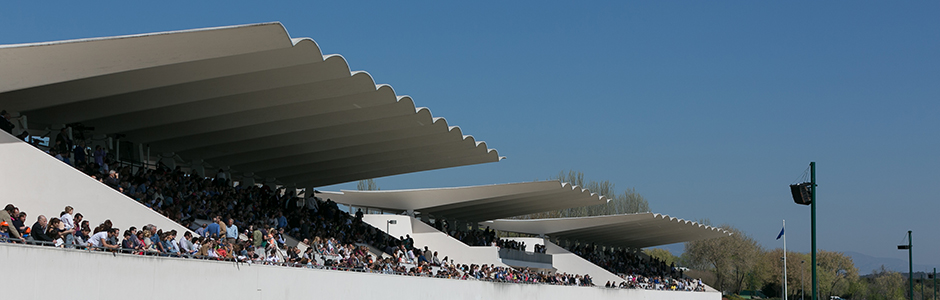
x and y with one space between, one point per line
201 231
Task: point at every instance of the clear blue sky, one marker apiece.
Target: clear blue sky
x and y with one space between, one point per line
708 109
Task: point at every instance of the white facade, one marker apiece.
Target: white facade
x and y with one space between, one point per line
103 276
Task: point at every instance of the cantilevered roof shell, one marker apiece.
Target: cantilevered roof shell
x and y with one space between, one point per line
247 97
625 230
475 203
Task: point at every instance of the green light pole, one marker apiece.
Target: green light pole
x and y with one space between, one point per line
910 262
805 194
812 208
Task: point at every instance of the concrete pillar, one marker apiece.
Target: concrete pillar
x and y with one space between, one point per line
475 225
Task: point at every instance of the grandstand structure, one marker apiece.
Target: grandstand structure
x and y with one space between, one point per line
251 104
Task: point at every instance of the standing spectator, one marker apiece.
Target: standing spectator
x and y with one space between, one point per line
169 243
155 238
56 232
20 224
281 220
38 233
257 237
214 228
7 213
63 142
99 155
79 153
69 225
231 232
128 242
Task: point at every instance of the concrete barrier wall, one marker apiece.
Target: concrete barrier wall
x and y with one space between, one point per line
101 275
39 184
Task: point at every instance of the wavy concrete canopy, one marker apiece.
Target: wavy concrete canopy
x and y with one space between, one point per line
248 97
475 203
625 230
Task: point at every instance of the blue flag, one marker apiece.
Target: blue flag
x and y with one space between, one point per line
781 233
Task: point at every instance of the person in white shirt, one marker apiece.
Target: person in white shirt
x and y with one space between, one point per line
231 231
100 239
186 244
69 223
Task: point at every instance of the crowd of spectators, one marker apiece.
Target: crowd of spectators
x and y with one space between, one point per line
637 271
250 223
484 237
265 248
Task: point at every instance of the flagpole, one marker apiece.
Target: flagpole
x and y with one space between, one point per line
784 259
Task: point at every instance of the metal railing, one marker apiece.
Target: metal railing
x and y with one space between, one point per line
239 262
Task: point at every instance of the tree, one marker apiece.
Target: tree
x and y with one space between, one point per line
662 255
619 203
367 185
731 258
836 274
885 284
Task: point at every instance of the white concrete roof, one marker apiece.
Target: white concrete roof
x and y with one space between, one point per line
475 203
248 97
625 230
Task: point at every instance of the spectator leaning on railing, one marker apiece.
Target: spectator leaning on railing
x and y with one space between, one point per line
6 217
104 239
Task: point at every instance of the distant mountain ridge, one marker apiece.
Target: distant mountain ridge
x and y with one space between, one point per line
867 264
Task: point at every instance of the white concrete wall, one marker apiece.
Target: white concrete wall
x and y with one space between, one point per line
567 262
101 275
39 184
